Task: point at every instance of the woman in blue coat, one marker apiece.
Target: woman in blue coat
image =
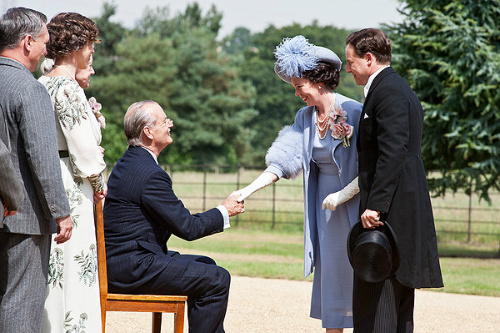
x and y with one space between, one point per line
322 144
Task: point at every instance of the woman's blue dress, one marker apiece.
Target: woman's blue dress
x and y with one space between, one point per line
332 287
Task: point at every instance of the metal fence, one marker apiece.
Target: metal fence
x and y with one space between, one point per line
458 217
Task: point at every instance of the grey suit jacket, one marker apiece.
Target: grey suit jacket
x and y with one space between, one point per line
11 191
26 109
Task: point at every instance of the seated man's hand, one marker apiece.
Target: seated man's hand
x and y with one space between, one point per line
233 206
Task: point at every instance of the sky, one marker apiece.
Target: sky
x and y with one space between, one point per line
254 15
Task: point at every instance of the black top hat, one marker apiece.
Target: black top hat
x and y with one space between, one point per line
373 253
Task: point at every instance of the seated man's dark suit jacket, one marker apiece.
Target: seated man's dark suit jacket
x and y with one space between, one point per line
141 212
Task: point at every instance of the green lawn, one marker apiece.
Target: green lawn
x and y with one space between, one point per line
471 276
266 241
273 254
459 219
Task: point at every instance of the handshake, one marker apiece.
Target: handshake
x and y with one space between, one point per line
235 202
266 178
233 205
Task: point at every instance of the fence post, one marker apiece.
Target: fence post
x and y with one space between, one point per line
274 204
469 229
238 174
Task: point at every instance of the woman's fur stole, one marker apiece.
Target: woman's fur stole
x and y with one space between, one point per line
286 152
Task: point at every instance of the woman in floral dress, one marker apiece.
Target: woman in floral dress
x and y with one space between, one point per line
73 303
321 144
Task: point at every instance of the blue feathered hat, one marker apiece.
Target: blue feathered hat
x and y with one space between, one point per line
296 55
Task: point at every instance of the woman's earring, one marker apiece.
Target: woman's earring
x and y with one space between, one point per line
319 87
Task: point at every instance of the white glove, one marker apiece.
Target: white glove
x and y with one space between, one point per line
265 179
337 198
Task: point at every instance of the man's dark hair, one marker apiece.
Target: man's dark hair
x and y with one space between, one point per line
17 23
373 41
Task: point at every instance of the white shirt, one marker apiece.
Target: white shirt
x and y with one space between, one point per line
221 208
151 153
371 78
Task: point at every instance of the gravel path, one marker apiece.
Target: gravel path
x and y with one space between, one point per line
282 306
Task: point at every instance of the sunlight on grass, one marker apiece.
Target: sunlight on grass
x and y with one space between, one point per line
282 270
273 254
267 240
458 217
471 276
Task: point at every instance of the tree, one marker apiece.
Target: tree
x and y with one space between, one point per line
449 51
176 62
158 20
137 75
110 34
239 40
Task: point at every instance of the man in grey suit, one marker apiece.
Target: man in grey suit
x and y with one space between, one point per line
27 111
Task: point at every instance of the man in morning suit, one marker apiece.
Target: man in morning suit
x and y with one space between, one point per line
141 212
29 117
393 186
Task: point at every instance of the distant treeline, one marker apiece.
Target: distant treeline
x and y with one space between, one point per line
228 105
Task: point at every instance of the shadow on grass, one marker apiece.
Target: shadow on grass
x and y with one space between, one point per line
464 250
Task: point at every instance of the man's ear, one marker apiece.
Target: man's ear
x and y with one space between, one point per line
369 58
28 42
147 132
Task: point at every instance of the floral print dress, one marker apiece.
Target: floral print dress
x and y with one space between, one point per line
73 303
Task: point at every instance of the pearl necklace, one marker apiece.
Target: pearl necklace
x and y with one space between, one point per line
322 126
